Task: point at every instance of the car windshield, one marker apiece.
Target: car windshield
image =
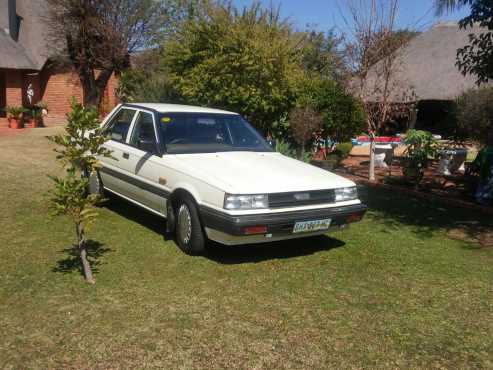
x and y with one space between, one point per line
209 133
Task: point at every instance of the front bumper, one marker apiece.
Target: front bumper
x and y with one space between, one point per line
228 229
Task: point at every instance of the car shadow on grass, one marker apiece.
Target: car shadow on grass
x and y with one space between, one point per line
254 253
95 252
229 254
136 214
425 217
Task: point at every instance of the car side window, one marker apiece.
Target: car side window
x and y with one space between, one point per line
120 124
143 135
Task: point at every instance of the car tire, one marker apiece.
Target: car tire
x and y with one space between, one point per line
188 229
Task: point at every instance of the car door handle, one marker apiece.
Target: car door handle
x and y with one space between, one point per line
125 155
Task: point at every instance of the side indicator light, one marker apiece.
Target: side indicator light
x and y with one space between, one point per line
251 230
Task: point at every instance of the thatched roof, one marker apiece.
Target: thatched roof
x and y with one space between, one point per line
4 14
31 49
13 55
426 65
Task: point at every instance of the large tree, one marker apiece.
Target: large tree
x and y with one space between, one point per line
243 60
323 55
98 36
475 58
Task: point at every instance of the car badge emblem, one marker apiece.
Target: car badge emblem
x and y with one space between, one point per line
302 196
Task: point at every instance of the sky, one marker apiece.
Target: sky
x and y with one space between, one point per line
325 15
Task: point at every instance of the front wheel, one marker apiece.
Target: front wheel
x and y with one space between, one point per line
189 235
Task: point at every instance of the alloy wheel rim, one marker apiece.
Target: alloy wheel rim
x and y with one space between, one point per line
184 223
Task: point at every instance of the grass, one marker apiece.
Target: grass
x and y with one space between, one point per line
391 292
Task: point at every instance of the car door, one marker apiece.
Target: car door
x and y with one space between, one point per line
144 151
117 170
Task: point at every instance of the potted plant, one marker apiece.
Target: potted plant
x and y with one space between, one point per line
42 109
14 116
422 147
333 159
35 118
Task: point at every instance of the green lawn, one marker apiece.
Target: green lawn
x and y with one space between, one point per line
391 292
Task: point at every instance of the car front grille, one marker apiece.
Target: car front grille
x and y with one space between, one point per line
301 198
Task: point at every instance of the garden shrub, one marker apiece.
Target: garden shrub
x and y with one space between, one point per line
422 147
244 61
304 121
343 115
475 114
285 148
343 149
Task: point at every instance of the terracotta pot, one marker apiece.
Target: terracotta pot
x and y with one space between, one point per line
413 174
16 123
33 123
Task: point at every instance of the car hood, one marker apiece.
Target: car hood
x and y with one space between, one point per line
257 172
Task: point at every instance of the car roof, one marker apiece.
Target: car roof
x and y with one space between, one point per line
177 108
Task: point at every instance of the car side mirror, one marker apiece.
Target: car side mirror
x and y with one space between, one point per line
147 145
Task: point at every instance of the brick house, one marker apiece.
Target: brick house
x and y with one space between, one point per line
27 72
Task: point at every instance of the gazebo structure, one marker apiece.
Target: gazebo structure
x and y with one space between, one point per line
426 74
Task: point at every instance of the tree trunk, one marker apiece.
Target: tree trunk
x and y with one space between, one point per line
302 152
82 246
91 95
371 170
93 88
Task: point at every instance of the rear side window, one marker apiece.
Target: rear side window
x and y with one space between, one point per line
143 135
120 124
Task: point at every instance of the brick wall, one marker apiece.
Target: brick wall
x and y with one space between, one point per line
57 89
112 89
59 86
110 99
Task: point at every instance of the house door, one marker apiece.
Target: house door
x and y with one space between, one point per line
3 97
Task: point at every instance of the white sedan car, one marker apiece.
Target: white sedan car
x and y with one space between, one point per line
212 176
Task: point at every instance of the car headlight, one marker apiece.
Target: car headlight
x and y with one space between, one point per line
246 201
345 194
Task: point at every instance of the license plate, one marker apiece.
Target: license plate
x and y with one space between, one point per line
310 226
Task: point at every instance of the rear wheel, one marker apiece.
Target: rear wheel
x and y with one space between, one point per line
188 229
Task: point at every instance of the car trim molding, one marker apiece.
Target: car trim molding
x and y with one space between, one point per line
136 182
133 201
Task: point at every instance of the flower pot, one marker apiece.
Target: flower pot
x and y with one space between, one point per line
16 123
413 174
33 122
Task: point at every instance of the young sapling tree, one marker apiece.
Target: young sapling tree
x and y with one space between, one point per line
77 151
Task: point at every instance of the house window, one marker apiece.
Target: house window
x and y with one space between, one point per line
3 90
